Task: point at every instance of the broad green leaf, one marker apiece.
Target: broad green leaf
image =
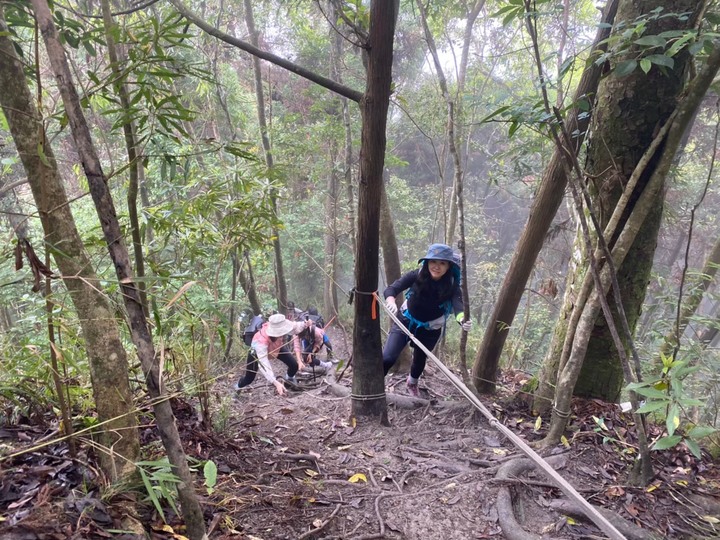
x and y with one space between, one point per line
652 393
651 41
625 68
673 419
667 442
698 432
661 60
694 448
645 65
651 406
210 473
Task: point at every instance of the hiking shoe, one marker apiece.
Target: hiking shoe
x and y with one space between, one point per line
413 389
326 365
291 380
236 387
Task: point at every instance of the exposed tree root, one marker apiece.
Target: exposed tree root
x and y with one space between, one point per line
628 529
512 530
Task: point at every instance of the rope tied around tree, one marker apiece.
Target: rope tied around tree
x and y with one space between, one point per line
375 299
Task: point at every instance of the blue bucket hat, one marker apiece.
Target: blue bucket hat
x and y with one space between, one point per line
440 252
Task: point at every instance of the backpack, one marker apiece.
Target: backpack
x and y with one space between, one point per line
251 329
314 316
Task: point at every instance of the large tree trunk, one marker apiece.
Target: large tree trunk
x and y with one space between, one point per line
140 331
660 157
543 210
280 284
368 383
106 355
624 124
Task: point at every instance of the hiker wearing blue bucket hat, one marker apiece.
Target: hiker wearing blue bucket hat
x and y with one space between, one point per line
433 293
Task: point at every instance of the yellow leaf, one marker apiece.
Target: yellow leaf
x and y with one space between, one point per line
682 483
570 521
344 447
538 423
477 450
711 519
353 422
357 477
311 473
650 489
564 441
499 451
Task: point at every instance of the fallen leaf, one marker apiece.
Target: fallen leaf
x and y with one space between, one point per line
368 453
711 519
311 473
344 447
357 477
538 423
317 523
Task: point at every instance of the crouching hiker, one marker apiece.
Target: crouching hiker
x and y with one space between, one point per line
433 293
312 339
269 342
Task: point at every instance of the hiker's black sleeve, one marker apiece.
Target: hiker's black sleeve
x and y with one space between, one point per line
399 285
457 302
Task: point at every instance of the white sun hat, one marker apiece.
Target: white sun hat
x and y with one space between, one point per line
278 325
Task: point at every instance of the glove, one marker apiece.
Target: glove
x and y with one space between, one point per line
391 305
467 325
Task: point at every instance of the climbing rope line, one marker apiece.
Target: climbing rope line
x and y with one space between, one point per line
592 513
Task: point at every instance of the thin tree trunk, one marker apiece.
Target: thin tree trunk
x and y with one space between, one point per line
134 163
368 385
281 286
140 332
690 305
106 355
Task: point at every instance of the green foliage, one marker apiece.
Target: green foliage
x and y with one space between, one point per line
634 47
160 484
666 393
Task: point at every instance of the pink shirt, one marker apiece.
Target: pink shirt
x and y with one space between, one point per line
267 347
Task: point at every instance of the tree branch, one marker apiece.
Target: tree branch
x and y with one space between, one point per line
331 85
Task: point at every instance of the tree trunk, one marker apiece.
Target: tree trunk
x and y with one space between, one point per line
544 207
247 282
624 124
666 145
134 163
140 332
280 284
706 278
331 233
368 384
106 355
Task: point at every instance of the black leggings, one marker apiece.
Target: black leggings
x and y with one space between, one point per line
284 355
397 340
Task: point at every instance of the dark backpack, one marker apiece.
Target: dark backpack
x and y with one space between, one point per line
251 329
314 316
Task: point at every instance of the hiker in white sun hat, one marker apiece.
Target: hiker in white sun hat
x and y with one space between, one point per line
269 342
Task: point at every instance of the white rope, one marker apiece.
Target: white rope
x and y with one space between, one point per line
591 512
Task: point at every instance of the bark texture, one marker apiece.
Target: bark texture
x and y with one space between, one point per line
368 384
545 205
140 332
106 354
624 124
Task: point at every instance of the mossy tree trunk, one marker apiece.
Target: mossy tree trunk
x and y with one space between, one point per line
624 124
106 354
